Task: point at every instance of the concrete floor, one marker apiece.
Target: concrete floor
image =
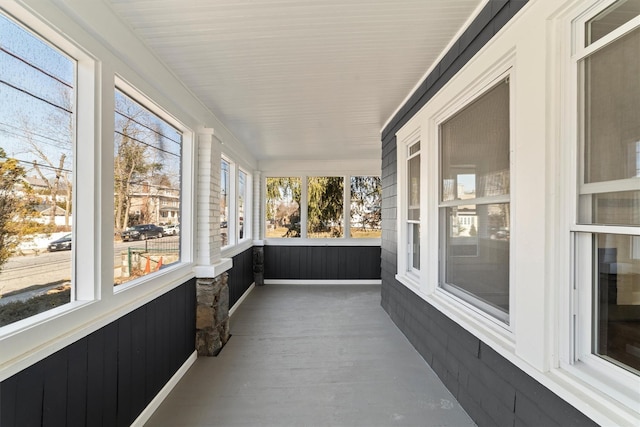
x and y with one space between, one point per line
312 356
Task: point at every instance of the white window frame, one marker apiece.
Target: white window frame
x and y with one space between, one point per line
185 194
303 240
405 140
235 244
248 206
477 305
577 301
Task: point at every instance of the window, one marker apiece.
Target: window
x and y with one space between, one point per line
325 207
225 192
607 230
317 209
147 188
413 208
37 134
283 207
474 209
366 207
242 204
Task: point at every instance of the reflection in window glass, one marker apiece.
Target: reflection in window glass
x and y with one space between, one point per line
325 207
283 207
475 236
242 197
366 207
413 207
611 18
225 189
617 299
37 96
147 183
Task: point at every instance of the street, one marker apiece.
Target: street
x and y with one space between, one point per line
52 268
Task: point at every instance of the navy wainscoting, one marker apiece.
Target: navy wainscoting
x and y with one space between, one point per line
108 377
322 262
240 276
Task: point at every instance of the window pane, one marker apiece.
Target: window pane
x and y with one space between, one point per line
611 133
413 213
147 183
242 196
325 207
37 95
225 189
612 111
477 253
617 301
475 148
366 207
414 246
613 17
283 207
619 208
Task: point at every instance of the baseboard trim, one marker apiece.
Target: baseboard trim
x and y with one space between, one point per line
157 401
322 282
241 299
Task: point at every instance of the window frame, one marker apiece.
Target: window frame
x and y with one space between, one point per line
467 298
235 244
303 240
576 309
186 254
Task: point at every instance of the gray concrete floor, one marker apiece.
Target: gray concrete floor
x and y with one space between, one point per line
312 356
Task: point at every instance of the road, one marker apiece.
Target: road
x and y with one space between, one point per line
52 268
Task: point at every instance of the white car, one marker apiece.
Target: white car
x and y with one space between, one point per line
172 229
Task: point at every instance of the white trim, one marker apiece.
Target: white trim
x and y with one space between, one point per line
210 271
244 296
298 241
148 412
321 282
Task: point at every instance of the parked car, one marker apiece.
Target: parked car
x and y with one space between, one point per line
142 232
171 229
61 244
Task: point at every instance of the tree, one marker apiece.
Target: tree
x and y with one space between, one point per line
325 205
15 206
283 203
131 165
366 198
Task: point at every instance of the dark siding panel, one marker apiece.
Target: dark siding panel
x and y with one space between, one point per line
29 391
77 383
124 371
322 262
54 407
110 375
95 378
240 275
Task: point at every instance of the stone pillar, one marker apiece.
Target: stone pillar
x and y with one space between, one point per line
212 315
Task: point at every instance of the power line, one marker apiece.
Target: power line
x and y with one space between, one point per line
46 73
147 144
35 96
147 127
53 140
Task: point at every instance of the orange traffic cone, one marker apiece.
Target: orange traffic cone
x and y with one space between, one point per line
147 268
159 264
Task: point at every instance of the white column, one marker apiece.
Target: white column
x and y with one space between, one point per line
208 241
258 223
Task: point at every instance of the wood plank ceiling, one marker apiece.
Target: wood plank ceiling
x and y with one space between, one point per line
300 79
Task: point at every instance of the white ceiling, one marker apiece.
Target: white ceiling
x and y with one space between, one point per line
300 79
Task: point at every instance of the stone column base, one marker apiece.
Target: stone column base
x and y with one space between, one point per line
212 315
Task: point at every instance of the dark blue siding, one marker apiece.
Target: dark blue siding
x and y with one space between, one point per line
240 275
322 262
108 377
